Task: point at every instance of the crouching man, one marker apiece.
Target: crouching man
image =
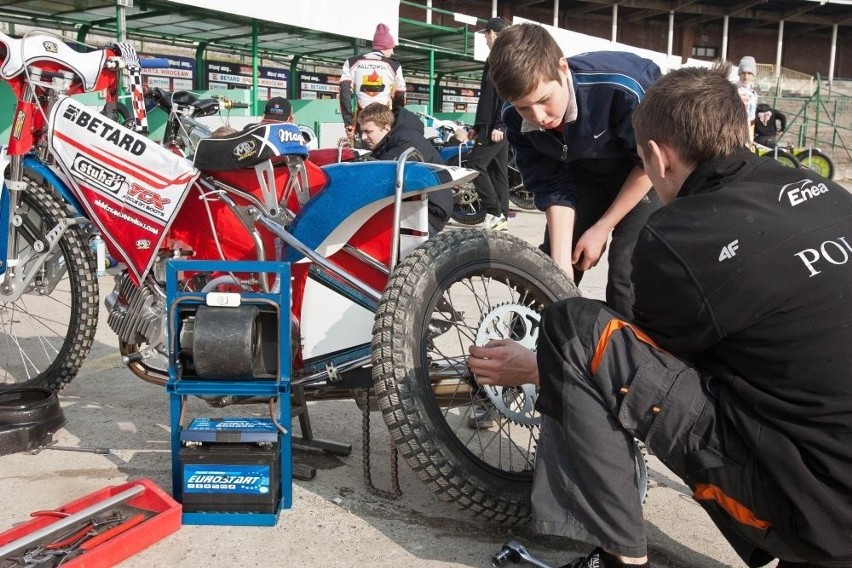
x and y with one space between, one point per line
736 371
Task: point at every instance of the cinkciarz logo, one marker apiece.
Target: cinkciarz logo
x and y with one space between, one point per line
98 175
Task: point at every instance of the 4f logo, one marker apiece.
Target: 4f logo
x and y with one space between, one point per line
729 250
147 196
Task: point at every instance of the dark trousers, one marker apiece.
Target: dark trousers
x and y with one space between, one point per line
595 195
603 383
491 160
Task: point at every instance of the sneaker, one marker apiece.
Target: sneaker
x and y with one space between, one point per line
600 559
481 418
496 222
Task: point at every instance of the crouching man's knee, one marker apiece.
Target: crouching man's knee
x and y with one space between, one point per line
566 344
570 319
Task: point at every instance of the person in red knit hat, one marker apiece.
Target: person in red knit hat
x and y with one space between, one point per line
374 77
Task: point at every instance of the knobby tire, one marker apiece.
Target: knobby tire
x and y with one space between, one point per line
487 472
44 339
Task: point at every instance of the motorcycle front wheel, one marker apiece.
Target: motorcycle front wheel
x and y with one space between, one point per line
467 207
459 288
47 332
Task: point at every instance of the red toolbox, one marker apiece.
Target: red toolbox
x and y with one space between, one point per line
162 518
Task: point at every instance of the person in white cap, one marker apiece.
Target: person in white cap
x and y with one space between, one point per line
745 86
374 77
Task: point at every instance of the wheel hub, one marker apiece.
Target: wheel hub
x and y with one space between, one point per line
466 194
520 323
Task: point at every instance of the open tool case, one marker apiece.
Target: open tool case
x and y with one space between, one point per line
162 516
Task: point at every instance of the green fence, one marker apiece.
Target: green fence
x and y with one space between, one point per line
817 121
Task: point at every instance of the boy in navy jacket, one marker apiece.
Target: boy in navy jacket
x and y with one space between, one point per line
569 123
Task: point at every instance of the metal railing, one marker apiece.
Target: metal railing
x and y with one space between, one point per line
819 121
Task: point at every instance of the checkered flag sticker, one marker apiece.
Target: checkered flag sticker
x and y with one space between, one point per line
133 81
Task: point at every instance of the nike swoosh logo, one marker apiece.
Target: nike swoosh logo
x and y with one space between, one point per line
599 135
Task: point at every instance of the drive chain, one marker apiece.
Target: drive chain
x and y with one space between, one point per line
362 397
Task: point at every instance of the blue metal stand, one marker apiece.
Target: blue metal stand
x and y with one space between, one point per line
278 388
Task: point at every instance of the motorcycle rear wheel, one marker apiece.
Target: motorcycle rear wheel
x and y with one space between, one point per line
817 161
46 334
433 306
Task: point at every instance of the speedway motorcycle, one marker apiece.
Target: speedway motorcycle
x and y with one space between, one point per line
376 305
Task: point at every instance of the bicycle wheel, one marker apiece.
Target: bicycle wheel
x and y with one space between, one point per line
782 157
815 160
47 332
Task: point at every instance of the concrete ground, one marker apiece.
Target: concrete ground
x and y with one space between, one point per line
334 521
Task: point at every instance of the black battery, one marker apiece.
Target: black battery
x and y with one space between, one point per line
238 473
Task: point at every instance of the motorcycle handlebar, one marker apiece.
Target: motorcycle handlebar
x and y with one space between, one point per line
228 104
234 104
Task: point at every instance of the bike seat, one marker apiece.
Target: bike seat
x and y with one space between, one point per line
17 54
249 147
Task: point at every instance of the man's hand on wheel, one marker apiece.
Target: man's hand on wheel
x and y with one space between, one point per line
503 362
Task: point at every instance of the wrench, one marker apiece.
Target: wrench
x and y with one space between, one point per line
516 552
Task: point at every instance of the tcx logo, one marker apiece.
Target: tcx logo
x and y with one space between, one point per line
801 191
147 196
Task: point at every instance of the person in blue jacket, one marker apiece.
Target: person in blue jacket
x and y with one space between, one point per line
569 123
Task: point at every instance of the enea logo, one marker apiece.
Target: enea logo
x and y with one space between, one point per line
98 175
801 191
244 150
50 47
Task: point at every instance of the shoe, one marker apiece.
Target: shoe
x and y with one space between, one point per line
481 418
496 222
600 559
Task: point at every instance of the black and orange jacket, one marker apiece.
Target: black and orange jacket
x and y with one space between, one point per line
748 274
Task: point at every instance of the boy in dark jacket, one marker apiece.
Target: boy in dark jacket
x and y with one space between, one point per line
768 125
736 372
569 124
387 134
